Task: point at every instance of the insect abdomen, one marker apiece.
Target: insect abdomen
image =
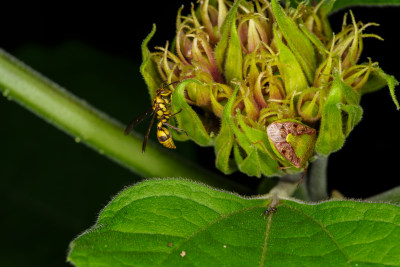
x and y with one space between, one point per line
165 138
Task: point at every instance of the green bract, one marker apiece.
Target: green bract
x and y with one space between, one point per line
249 66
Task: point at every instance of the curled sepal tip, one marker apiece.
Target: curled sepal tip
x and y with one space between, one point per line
340 114
148 68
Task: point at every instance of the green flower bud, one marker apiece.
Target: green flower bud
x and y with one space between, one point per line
253 28
268 86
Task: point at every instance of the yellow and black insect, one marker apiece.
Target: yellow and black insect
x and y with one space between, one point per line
161 102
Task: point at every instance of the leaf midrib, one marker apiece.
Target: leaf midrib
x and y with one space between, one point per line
218 219
268 228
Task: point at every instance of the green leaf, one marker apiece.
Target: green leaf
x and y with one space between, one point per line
379 79
242 139
177 223
353 109
314 40
234 57
331 137
148 68
297 41
228 52
237 154
341 4
225 138
292 73
251 164
354 115
323 12
268 164
188 119
350 96
256 161
335 125
392 83
374 83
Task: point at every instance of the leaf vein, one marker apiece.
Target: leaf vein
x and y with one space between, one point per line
267 231
323 228
218 219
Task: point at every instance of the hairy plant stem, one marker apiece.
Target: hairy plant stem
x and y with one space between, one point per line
286 186
317 179
313 187
92 127
390 196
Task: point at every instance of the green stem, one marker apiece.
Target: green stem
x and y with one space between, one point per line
100 132
390 196
317 179
285 187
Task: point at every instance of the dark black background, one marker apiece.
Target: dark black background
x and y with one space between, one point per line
52 188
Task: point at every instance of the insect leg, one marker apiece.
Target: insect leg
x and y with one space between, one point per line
164 84
173 127
176 113
301 179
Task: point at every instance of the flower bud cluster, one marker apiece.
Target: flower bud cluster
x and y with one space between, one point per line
258 64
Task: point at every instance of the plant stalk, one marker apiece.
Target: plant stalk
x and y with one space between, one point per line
390 196
97 130
317 179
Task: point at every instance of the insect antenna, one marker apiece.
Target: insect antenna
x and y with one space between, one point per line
302 176
164 84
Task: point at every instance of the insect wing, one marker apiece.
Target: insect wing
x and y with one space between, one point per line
137 120
146 137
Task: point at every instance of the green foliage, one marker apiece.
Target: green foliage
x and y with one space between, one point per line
292 74
229 47
297 41
339 116
148 68
341 4
225 139
188 119
391 83
254 157
176 222
259 139
379 79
